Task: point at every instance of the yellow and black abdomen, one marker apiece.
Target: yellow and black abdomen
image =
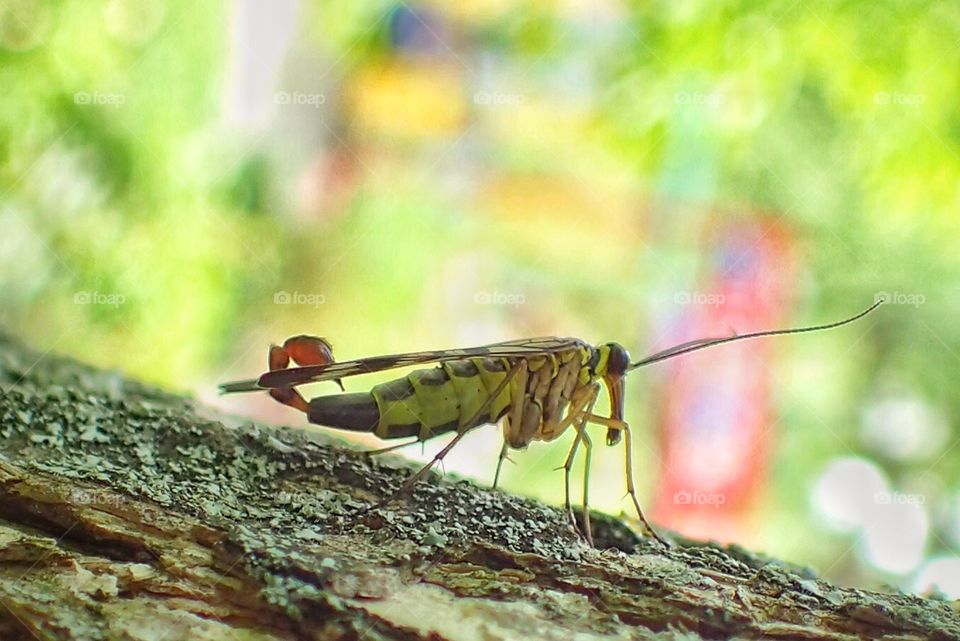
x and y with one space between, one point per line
429 402
424 403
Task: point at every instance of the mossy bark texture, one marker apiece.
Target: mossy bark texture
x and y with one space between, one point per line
129 513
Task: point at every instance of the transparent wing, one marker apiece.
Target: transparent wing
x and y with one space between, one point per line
332 371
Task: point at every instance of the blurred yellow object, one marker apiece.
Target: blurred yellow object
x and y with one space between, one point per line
574 212
408 100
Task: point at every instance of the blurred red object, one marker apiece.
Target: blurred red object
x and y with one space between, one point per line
716 413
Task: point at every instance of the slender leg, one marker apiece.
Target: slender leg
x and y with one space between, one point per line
587 445
503 456
567 466
631 488
436 459
384 450
632 491
577 412
588 450
518 400
513 418
607 421
468 425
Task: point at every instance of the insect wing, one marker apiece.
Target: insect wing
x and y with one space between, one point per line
317 373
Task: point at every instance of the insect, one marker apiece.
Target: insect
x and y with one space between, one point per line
535 388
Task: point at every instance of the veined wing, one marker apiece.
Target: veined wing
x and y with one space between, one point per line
332 371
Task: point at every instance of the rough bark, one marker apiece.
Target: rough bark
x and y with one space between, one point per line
130 513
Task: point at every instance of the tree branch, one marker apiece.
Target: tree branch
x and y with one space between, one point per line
127 512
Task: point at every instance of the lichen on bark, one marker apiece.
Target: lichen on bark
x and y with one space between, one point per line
127 512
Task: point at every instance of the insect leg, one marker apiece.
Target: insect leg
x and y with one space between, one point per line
577 412
587 445
631 489
567 466
518 399
580 416
607 421
384 450
588 450
500 459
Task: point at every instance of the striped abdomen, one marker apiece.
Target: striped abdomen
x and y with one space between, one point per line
424 403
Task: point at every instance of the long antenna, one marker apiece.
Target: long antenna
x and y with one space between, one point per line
703 343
